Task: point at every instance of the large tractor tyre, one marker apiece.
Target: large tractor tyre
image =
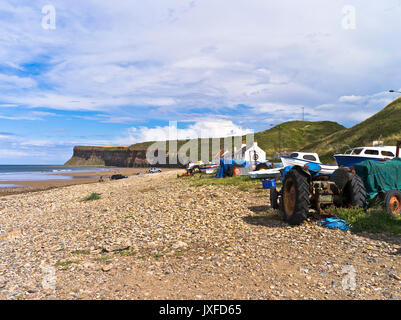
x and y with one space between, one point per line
392 202
295 199
261 166
341 177
354 193
274 198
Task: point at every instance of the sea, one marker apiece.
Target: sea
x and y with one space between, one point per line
40 172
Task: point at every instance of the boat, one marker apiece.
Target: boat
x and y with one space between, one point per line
208 168
293 159
302 159
266 173
356 155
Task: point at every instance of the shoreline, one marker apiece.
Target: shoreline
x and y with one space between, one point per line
77 178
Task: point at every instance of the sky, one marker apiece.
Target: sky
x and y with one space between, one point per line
100 72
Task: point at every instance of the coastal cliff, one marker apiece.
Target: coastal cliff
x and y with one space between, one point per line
126 157
292 135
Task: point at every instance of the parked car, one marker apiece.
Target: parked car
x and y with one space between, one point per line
155 170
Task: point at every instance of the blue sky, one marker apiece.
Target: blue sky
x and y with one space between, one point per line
116 72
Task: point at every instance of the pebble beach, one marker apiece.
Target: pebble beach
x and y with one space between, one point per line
159 237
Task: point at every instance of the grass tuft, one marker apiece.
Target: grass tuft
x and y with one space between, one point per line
81 252
102 259
66 263
93 196
374 220
244 183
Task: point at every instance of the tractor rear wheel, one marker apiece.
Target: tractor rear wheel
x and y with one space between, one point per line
354 192
274 198
295 199
392 202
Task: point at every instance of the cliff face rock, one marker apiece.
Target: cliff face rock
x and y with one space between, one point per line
108 156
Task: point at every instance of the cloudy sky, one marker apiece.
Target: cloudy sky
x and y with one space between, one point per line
116 72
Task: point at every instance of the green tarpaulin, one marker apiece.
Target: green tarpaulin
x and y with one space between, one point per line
379 176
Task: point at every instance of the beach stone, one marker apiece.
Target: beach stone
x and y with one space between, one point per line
180 244
107 268
136 240
11 236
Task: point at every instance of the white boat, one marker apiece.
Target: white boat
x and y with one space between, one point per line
294 159
353 156
302 158
266 173
209 168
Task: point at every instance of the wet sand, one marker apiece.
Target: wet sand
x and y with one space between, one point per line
76 178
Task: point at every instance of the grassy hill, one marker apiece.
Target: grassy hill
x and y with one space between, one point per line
323 137
385 123
294 135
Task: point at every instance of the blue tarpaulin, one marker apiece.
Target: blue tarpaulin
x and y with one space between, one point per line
334 223
313 168
225 165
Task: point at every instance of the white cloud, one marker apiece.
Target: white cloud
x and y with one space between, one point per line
12 82
350 99
7 153
200 129
162 60
182 55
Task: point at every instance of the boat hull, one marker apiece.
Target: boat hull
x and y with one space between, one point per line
209 169
325 168
266 174
350 161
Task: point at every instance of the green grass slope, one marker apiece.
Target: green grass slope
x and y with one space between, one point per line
294 136
385 123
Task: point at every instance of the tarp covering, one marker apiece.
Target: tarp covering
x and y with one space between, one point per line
313 168
379 176
334 223
225 165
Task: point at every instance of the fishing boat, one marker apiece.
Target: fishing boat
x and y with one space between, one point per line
302 158
293 159
356 155
208 168
274 173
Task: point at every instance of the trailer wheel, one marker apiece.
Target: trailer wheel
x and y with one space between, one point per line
295 199
354 192
274 198
261 166
392 202
232 171
195 169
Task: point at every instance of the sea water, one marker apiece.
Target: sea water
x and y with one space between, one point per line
41 172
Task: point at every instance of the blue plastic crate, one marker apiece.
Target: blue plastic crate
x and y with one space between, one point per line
268 183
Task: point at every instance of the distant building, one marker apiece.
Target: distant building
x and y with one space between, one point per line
252 153
378 143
